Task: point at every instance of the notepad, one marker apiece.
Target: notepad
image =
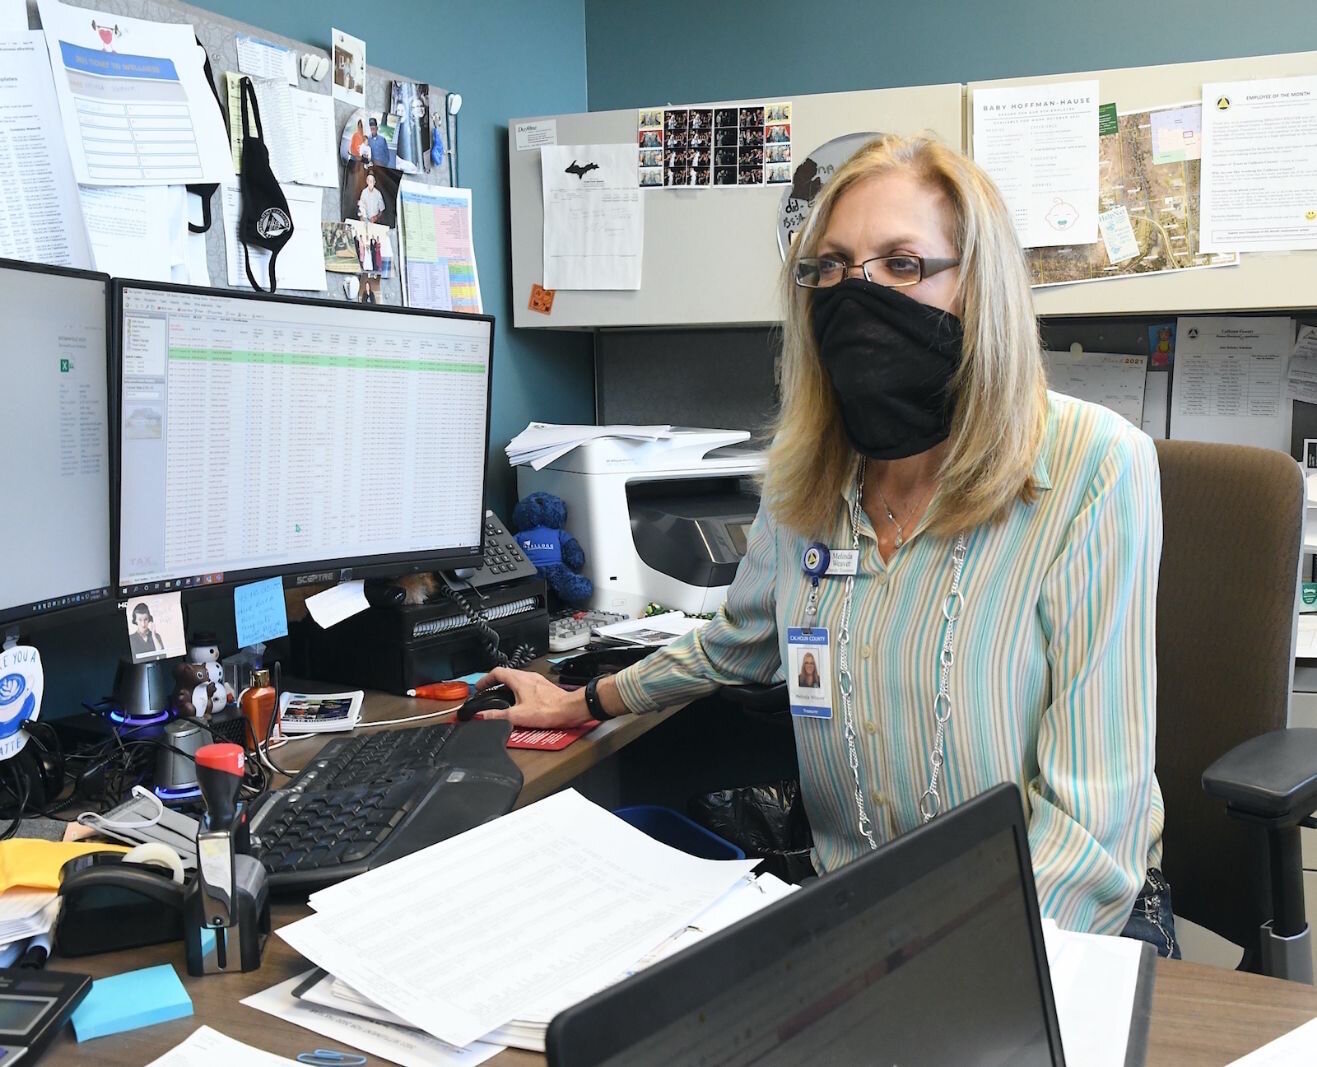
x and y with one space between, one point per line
130 1001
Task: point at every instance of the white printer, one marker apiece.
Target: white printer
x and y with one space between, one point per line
661 521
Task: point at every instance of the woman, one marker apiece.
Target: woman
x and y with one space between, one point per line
358 139
999 626
809 672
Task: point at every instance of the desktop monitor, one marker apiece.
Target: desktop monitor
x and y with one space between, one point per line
54 449
265 436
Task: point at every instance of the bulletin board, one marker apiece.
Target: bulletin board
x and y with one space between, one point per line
217 35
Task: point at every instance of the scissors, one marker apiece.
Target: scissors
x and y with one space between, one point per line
328 1057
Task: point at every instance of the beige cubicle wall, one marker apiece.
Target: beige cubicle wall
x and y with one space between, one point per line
711 255
1262 281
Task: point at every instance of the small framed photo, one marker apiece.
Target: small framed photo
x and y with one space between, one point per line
1310 453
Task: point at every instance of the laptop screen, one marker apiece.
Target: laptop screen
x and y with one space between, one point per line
938 970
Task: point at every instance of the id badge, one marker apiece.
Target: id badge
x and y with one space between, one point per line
809 672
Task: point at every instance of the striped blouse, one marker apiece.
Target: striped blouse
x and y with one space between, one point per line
1053 685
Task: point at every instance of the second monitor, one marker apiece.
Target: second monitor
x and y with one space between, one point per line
262 436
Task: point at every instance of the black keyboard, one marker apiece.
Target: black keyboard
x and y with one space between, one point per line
365 800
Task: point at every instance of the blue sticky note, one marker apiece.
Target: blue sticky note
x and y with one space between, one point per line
130 1001
471 678
258 611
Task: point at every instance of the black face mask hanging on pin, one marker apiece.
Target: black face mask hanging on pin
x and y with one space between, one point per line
266 221
891 360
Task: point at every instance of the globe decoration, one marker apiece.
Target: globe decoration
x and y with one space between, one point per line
809 177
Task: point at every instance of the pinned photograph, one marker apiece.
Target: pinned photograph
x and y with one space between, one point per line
651 177
751 136
155 627
701 119
750 157
414 126
725 157
702 175
675 120
372 247
368 137
777 113
650 138
369 289
349 62
777 134
751 116
724 175
779 174
651 157
370 194
340 247
725 116
778 153
750 176
728 137
651 118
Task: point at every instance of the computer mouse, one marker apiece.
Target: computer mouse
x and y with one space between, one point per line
495 698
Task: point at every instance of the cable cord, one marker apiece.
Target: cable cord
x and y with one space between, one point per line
488 636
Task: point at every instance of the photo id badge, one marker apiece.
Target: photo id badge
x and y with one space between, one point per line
809 672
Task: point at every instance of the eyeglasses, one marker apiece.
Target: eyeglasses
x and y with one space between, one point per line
895 272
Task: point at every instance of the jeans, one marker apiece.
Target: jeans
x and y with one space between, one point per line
1151 919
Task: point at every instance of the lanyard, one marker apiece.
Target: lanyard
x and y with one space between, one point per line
953 606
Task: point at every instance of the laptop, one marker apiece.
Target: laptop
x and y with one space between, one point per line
928 951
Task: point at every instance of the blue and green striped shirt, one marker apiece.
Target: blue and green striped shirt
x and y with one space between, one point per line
1054 682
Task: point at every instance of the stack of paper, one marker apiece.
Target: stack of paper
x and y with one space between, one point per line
651 632
25 914
509 962
540 443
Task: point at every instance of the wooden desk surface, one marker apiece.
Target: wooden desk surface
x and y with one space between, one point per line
1201 1015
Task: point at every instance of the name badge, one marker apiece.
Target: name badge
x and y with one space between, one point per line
843 562
809 672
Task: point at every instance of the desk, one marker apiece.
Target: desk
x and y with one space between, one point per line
1200 1015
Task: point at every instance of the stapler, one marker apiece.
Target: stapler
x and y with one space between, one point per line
227 911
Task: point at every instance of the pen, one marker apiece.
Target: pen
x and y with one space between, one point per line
37 952
441 691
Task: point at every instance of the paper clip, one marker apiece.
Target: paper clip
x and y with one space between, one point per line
328 1057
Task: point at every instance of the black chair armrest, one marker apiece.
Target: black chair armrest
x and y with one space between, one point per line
762 699
1271 778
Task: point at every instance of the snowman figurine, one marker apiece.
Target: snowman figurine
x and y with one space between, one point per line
212 695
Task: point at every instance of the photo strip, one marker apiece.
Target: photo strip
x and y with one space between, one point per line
725 146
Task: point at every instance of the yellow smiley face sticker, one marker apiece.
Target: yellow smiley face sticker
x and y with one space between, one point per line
1311 216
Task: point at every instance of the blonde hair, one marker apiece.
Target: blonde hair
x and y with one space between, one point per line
1000 413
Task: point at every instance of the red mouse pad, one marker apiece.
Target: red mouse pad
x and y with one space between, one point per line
549 740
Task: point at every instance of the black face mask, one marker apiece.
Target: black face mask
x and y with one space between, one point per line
266 221
890 360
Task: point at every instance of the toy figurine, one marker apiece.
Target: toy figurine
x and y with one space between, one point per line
537 523
201 687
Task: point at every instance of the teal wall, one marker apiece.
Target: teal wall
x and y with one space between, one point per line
678 51
506 58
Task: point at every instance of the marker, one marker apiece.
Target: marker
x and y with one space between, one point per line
441 691
38 951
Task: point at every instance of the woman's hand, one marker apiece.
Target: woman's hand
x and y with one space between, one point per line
540 704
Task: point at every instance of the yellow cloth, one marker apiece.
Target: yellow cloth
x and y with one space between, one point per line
29 861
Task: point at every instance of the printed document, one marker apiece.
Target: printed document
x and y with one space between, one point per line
1230 373
210 1048
438 248
301 262
594 219
1298 1046
264 59
388 1041
136 106
40 218
1114 381
1259 179
496 969
299 131
1040 144
129 227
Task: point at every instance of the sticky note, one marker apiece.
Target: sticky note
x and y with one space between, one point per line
130 1001
259 613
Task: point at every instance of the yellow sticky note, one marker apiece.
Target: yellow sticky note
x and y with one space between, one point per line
31 862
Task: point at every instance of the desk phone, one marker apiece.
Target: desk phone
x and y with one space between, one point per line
504 560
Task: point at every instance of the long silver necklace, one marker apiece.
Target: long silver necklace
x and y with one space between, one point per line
953 606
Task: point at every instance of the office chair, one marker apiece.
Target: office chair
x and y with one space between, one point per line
1233 537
